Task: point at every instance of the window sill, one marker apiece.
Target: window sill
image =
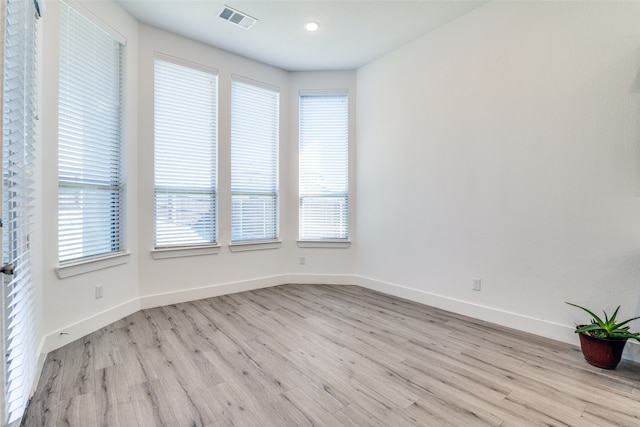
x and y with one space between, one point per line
185 251
342 244
254 246
87 266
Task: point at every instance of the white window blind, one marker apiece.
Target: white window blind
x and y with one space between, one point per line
254 162
90 191
20 315
185 136
323 167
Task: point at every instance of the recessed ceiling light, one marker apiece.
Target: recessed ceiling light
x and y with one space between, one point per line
312 26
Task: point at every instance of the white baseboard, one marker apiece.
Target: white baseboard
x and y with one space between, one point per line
556 331
42 356
88 325
193 294
517 321
323 279
501 317
632 351
91 324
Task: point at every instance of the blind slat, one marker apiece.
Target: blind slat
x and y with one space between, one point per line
254 161
18 122
185 154
90 191
323 167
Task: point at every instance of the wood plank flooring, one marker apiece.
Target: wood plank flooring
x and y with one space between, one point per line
307 355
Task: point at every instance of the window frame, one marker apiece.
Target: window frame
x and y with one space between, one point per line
264 242
184 248
117 253
329 241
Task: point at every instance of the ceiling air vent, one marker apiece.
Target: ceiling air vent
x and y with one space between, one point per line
236 17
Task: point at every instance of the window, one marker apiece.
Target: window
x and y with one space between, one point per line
20 316
90 191
323 174
254 161
185 137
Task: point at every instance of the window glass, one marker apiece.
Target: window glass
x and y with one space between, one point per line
254 162
323 167
90 193
185 144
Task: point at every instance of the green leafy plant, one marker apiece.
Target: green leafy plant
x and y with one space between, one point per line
607 328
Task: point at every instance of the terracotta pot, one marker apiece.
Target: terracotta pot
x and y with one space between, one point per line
600 352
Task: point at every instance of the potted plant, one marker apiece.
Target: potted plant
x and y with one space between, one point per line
602 341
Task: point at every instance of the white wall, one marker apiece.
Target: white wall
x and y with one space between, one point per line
505 146
502 146
70 306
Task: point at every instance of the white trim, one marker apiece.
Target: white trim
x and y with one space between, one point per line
88 325
42 357
501 317
112 32
254 246
252 82
323 243
532 325
564 333
323 279
179 61
91 324
87 266
312 92
185 251
193 294
632 351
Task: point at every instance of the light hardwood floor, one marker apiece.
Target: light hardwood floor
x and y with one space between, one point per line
307 355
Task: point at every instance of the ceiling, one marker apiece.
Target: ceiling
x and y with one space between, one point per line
352 32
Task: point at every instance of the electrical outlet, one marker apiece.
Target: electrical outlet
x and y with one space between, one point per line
98 291
302 260
476 285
